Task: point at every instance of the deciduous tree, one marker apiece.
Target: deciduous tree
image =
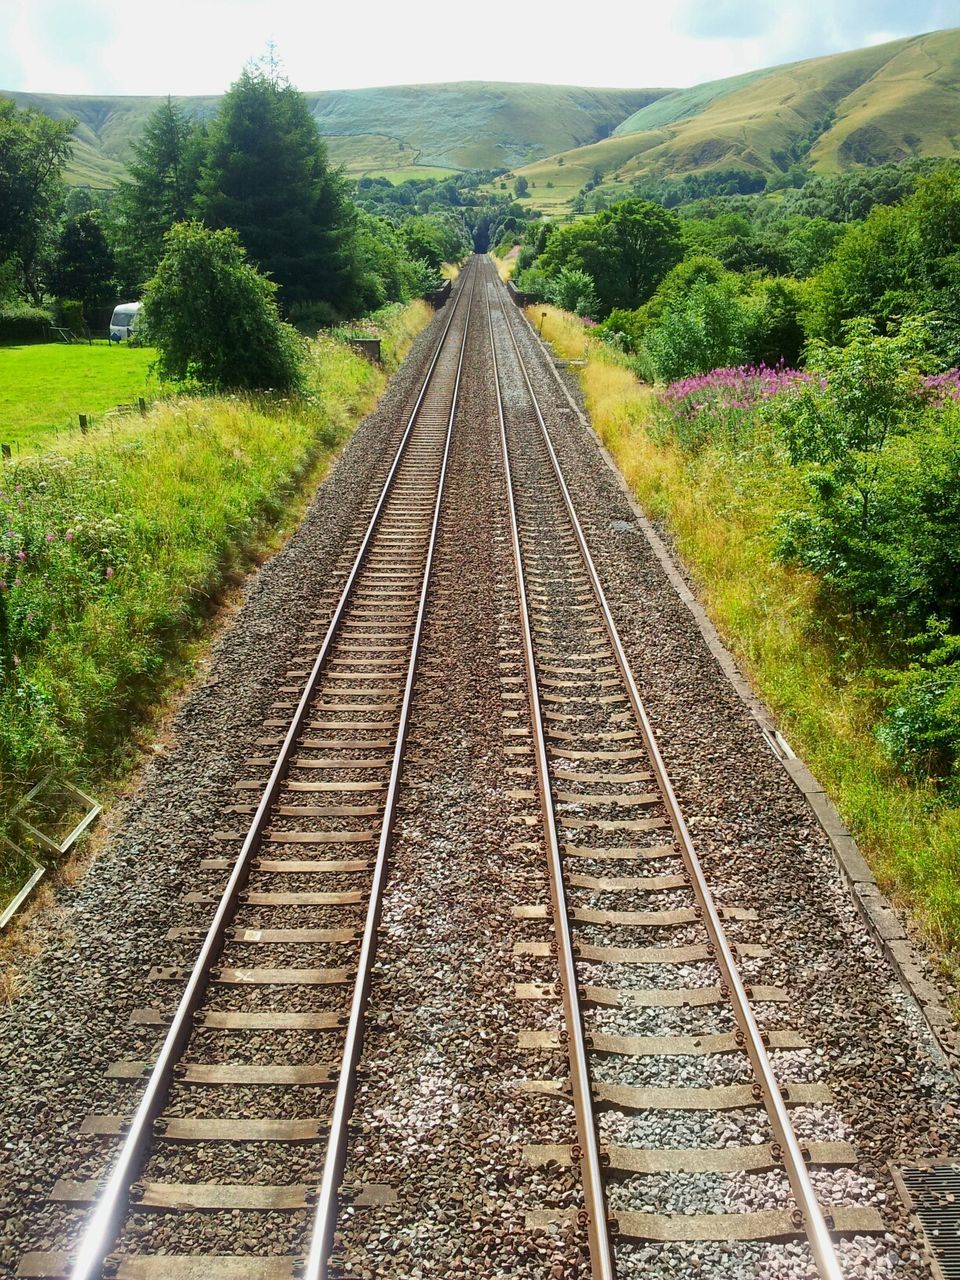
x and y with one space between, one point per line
83 265
33 152
213 317
626 250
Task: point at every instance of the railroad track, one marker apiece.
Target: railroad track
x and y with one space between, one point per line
231 1167
658 1020
270 1020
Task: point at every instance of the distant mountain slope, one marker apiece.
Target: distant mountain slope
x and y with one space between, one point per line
445 126
866 107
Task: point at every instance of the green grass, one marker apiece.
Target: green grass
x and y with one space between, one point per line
120 544
43 387
814 670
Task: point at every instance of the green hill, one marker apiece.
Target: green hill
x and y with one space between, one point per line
398 130
866 107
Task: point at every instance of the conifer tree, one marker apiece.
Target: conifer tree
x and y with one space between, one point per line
267 176
164 175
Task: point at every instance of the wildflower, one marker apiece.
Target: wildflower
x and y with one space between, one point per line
21 555
17 582
110 572
69 535
16 661
50 537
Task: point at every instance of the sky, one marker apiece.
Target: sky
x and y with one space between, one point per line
199 46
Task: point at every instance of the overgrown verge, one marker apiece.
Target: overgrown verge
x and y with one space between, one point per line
116 549
822 667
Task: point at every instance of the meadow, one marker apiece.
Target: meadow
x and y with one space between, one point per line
119 545
44 386
816 669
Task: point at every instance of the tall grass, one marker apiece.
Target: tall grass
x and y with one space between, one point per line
816 671
116 548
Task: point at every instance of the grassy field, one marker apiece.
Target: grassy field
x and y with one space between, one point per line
890 102
120 544
44 386
814 674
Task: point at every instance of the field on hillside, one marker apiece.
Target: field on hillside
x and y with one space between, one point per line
871 106
43 387
398 131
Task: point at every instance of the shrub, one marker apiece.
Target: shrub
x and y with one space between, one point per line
709 329
624 329
20 322
70 316
311 317
573 290
213 317
880 518
920 730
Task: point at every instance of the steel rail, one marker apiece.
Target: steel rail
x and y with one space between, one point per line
316 1267
101 1231
812 1220
598 1235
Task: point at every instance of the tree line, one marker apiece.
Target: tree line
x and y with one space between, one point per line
259 167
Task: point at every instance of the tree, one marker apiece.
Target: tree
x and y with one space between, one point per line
266 175
213 317
626 250
708 330
83 265
164 178
33 152
520 187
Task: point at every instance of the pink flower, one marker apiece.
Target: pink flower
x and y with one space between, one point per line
49 537
110 572
69 535
21 555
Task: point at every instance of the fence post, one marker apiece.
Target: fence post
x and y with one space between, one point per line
6 451
143 406
83 423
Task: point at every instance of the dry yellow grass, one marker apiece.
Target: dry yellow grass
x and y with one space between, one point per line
507 264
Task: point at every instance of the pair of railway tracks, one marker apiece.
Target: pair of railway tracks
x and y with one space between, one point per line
254 1050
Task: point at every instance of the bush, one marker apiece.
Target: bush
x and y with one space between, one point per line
310 317
624 329
920 730
708 330
70 316
213 317
20 322
880 519
573 290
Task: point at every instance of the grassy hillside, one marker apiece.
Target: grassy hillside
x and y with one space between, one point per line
865 107
401 130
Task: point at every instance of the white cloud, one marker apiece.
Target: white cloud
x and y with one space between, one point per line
199 46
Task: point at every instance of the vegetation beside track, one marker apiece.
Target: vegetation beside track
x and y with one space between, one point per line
119 545
820 670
